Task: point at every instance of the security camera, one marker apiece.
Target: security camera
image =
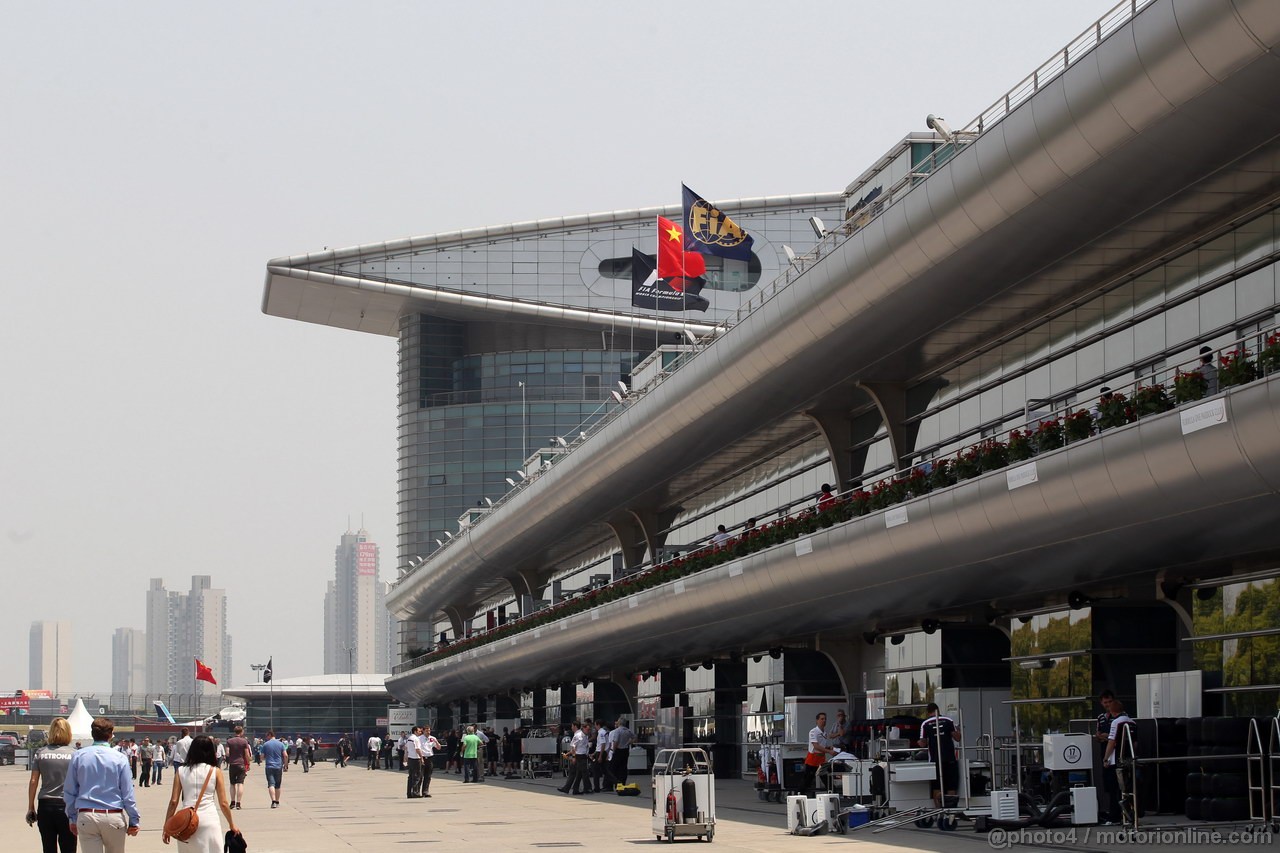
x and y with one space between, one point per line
939 125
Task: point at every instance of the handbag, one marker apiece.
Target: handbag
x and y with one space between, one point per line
183 823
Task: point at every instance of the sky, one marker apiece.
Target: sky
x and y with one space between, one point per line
157 155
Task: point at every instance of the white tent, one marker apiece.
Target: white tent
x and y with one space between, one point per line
80 721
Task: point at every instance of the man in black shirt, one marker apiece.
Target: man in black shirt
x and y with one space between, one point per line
940 735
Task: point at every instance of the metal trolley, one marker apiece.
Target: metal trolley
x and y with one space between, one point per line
684 795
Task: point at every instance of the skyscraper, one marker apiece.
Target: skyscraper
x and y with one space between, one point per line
182 627
128 663
51 657
355 612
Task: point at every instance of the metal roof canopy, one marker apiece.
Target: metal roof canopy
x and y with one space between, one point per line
1130 150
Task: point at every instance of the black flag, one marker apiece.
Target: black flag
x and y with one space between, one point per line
662 294
266 673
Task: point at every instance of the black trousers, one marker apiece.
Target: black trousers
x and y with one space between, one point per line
415 778
1111 786
620 758
144 774
581 773
427 769
55 829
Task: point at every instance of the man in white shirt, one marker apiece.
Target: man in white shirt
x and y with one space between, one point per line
297 749
1111 782
819 749
180 748
579 747
375 746
413 760
427 746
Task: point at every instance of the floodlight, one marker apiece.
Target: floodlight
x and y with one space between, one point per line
939 125
560 441
488 501
691 337
622 386
791 253
818 228
511 482
523 475
617 398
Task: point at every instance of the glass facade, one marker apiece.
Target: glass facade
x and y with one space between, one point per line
1237 626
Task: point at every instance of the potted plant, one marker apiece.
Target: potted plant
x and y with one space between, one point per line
943 474
1235 368
967 464
1078 425
992 455
1269 358
1020 446
1151 400
1114 410
1188 387
1049 435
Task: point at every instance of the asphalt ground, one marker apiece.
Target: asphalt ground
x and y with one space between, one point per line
348 809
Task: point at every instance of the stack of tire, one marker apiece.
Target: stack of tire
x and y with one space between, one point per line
1217 786
1165 785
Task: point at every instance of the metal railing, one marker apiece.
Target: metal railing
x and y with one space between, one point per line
1114 408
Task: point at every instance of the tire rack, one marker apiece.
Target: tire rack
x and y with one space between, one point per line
1257 763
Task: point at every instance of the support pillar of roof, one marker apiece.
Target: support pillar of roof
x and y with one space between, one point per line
641 531
458 618
524 583
843 432
899 407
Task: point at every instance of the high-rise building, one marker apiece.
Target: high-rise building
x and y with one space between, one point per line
128 662
182 627
355 612
51 657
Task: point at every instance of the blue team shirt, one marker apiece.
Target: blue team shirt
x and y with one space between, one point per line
273 753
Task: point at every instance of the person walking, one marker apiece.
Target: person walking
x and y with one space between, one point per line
158 757
144 763
237 765
344 750
98 794
375 746
45 807
275 755
199 784
179 752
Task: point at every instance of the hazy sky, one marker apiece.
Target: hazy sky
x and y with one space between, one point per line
156 155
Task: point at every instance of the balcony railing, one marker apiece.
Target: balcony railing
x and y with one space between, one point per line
1046 431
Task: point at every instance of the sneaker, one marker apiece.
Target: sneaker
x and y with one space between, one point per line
274 804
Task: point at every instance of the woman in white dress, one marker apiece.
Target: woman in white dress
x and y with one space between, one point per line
187 782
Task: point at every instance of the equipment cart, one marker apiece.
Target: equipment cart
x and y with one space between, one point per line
684 795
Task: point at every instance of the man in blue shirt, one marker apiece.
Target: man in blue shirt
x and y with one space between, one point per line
98 792
275 756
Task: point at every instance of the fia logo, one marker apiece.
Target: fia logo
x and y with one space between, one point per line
1072 755
710 226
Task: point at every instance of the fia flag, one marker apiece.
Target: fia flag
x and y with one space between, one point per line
662 294
709 231
203 673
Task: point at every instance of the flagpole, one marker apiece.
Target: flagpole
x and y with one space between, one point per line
272 718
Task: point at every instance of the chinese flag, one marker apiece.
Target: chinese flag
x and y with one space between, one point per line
203 673
673 260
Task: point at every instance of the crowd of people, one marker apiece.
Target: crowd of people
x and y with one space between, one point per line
85 794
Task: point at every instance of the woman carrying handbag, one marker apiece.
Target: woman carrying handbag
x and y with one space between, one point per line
196 784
